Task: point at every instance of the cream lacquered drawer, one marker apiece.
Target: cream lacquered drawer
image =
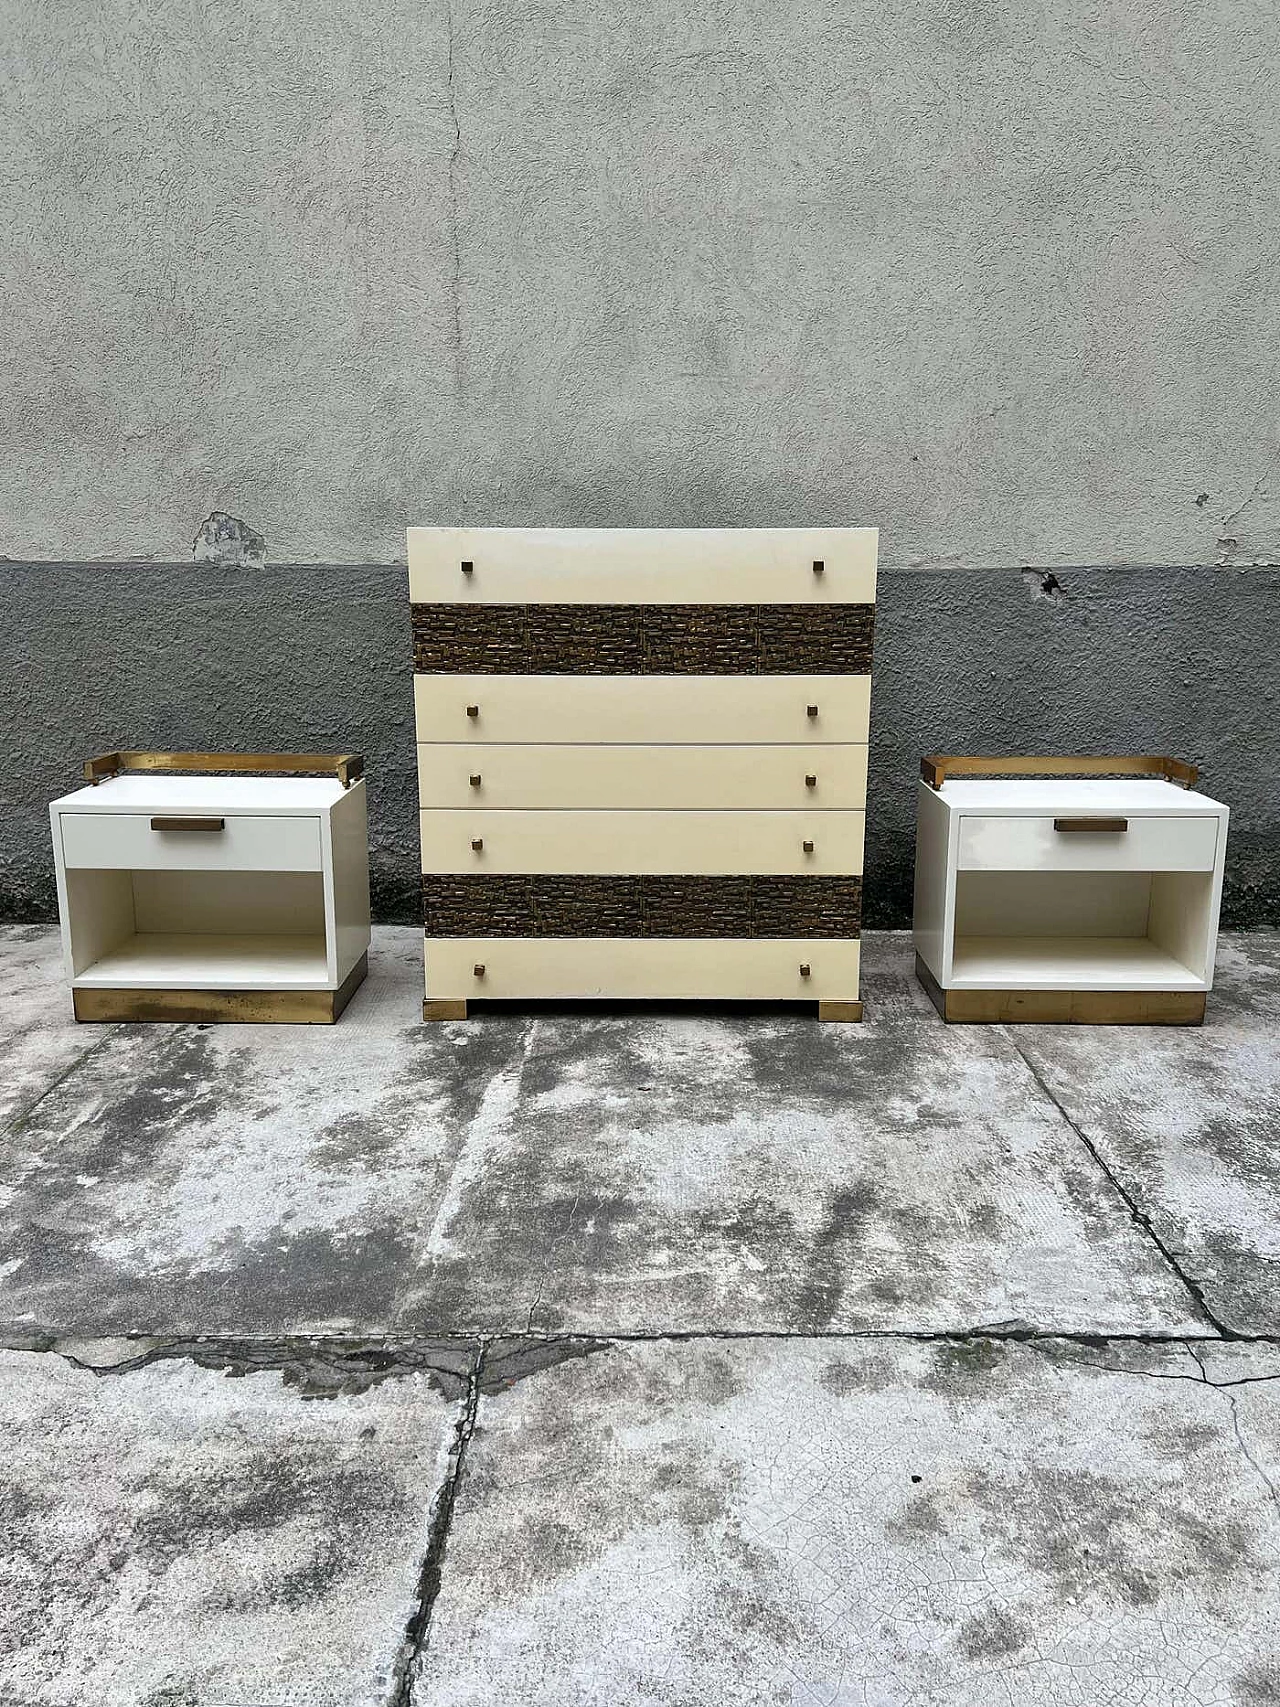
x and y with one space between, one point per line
521 566
996 843
692 710
673 969
689 843
622 777
126 841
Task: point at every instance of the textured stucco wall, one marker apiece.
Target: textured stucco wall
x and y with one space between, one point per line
318 657
998 277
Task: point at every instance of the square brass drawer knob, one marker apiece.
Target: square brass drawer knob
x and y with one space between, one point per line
477 970
811 710
807 846
477 843
811 782
473 711
805 968
475 779
818 565
467 566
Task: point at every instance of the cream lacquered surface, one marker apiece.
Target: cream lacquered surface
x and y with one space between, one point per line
1185 843
277 898
643 710
688 843
617 777
1004 900
647 775
642 565
715 968
246 842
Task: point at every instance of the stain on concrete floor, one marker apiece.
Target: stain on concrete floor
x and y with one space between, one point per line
675 1305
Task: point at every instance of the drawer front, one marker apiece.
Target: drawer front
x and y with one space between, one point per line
126 841
621 777
686 843
642 565
714 969
1033 844
685 710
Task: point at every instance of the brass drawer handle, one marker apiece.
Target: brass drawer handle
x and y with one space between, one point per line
467 566
811 782
807 846
811 710
475 779
1086 826
477 971
188 823
818 565
473 711
477 843
805 968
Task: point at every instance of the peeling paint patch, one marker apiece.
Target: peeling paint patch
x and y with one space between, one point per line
1042 584
1231 556
228 542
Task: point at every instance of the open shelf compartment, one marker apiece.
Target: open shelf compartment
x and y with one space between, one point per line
198 930
1081 930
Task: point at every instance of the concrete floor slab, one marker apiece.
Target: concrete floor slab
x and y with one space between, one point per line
1189 1122
646 1171
173 1538
39 1038
228 1179
712 1172
868 1523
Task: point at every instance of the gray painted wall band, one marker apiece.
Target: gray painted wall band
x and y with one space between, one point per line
319 657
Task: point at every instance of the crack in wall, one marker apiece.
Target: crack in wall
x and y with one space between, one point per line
1139 1217
455 288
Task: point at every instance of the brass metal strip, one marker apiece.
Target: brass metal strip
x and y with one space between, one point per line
937 767
235 1007
347 767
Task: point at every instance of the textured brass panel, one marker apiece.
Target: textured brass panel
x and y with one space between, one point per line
641 906
643 640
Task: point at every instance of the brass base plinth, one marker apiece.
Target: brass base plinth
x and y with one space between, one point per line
1063 1007
840 1012
221 1007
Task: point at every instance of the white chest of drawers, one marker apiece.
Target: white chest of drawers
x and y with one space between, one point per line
642 759
1060 899
241 897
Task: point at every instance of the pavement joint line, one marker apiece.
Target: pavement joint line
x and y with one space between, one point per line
407 1665
19 1120
1139 1217
411 1353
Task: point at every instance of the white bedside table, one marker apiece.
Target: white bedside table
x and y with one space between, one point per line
1063 897
188 897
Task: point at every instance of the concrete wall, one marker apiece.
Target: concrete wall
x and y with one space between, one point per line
998 277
